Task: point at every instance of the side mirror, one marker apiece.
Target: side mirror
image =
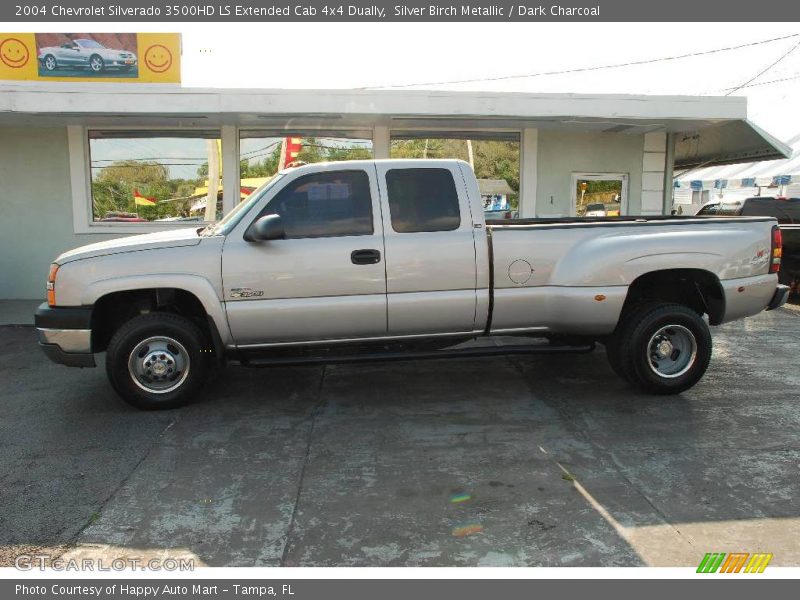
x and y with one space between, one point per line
268 227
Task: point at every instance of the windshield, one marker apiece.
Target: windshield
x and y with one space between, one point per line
88 43
231 220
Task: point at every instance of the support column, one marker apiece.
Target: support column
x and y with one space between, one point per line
529 150
230 168
80 176
381 142
654 160
669 172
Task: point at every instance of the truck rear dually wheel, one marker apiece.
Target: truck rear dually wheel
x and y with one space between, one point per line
613 354
157 361
663 348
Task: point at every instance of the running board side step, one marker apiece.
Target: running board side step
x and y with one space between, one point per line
256 360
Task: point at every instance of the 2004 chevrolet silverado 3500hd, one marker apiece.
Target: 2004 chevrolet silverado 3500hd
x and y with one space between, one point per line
379 260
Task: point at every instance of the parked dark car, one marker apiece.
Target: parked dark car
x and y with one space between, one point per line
786 210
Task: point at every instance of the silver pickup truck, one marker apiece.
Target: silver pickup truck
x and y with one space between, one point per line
380 260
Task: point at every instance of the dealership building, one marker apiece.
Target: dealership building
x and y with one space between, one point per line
81 163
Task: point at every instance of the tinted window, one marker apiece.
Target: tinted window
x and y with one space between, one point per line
325 204
730 210
786 211
709 209
721 210
422 200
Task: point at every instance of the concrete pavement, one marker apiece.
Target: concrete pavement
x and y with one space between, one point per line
545 460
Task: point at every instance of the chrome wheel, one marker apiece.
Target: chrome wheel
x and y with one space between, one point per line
96 63
50 63
159 364
672 351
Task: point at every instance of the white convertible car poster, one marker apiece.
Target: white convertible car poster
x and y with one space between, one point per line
99 55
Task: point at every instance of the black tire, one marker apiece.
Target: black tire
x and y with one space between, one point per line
685 338
614 357
185 352
96 63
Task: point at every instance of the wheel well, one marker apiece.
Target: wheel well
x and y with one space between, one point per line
113 310
698 289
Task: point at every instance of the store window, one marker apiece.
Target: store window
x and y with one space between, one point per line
141 177
701 197
495 158
599 194
263 153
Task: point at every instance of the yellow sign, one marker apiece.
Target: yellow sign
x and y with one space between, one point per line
82 57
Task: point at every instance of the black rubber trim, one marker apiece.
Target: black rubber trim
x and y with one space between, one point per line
490 244
650 221
216 341
779 298
57 355
78 317
260 359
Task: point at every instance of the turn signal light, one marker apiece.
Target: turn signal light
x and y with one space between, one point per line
777 250
51 285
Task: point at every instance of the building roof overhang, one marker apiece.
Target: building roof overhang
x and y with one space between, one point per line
709 130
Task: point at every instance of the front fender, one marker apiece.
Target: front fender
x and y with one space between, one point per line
199 286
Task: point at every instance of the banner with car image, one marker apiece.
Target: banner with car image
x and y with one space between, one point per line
90 57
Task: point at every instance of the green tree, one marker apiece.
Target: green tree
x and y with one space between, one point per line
114 185
335 153
264 168
493 159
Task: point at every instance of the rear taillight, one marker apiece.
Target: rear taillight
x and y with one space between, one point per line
51 285
777 250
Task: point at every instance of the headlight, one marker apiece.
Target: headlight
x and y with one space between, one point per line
51 285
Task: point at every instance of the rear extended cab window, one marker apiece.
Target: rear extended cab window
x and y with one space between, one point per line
422 200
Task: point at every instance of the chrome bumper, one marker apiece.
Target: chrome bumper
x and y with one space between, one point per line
74 341
71 347
64 335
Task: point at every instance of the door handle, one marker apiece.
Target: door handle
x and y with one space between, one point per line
365 257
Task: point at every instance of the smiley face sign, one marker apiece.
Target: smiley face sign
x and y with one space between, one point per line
158 58
14 53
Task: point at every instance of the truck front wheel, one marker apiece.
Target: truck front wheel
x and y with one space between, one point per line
157 361
663 348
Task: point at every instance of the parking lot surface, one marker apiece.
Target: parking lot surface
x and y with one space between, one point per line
540 461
